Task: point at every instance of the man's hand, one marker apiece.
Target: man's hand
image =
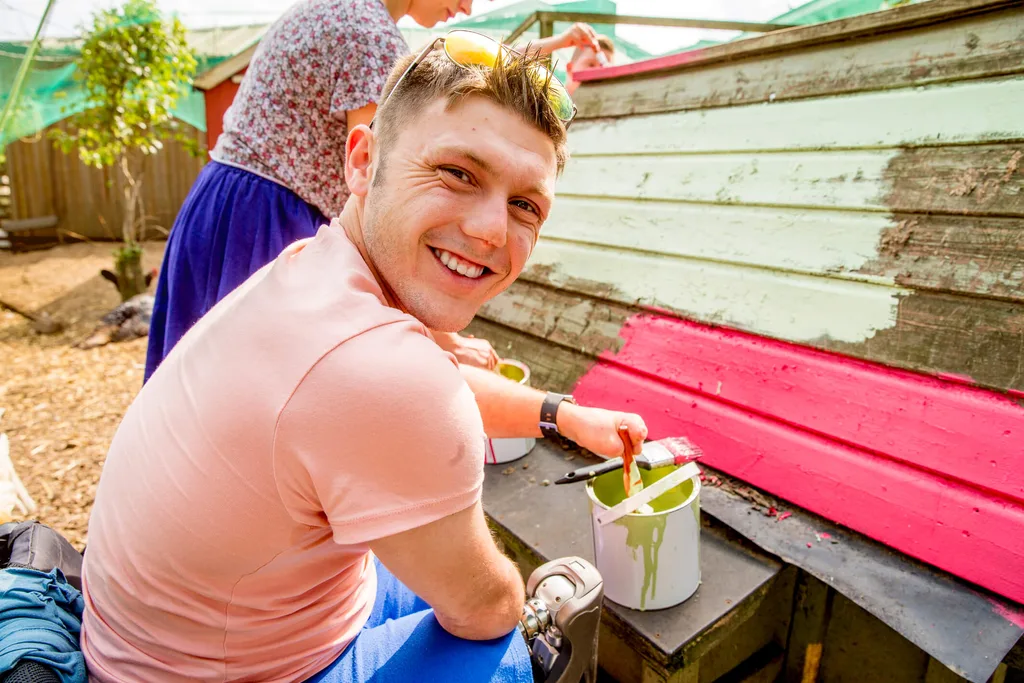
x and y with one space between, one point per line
469 350
596 429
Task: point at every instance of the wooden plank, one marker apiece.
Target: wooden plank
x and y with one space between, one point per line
937 672
967 48
933 115
17 225
673 22
858 27
936 425
838 243
986 180
812 610
862 649
967 254
849 180
781 305
972 255
968 180
977 340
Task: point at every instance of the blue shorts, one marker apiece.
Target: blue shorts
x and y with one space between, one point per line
231 224
402 642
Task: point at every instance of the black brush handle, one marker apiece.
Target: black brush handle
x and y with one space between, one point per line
588 473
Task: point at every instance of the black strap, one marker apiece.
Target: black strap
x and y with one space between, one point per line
549 414
30 672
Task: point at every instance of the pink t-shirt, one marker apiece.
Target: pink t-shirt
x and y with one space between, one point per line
300 419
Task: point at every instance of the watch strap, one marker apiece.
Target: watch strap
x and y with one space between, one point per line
549 413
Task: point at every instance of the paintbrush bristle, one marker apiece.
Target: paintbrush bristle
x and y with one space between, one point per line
681 446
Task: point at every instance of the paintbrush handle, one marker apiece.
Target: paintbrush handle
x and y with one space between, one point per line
588 473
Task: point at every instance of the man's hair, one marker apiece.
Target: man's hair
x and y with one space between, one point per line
511 84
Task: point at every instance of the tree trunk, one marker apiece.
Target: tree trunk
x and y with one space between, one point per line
128 265
128 257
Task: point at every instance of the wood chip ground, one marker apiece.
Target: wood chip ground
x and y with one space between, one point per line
60 405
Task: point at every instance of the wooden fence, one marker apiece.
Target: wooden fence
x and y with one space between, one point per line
87 201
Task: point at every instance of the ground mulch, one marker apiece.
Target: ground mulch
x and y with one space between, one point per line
60 405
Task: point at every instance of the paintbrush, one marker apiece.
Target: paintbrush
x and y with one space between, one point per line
631 480
676 450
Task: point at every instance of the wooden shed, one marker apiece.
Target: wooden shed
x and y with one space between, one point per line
805 251
219 86
85 202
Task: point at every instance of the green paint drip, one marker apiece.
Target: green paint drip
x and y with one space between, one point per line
644 532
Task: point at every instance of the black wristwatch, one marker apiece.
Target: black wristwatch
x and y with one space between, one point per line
549 413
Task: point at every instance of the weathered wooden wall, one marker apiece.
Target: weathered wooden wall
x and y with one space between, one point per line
854 188
45 181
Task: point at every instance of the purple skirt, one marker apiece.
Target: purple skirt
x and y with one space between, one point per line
231 224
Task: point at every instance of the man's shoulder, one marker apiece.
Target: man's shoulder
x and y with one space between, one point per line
396 348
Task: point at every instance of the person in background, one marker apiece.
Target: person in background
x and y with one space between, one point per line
587 57
277 171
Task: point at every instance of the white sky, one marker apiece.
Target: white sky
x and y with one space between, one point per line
18 18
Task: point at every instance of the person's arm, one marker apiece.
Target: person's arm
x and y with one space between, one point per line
577 35
382 443
468 350
454 565
512 410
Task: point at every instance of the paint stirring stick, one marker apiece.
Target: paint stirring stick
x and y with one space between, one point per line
630 472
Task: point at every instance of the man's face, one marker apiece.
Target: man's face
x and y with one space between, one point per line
429 13
456 209
587 59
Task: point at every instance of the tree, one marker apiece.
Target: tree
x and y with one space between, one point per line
135 65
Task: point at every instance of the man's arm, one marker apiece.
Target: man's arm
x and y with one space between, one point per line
454 565
512 410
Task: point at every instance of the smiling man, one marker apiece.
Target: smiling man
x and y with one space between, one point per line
295 493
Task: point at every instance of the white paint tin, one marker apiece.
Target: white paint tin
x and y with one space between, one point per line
649 561
498 451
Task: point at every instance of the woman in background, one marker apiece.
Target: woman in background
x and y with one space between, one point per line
277 171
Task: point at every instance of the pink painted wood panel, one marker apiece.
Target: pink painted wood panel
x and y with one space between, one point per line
902 458
946 427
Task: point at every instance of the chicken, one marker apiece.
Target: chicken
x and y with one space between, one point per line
130 320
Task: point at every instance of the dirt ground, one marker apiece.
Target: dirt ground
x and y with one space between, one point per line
60 406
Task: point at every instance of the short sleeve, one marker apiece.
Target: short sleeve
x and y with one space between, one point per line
382 435
364 67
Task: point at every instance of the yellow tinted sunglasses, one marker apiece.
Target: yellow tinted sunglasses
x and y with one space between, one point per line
469 48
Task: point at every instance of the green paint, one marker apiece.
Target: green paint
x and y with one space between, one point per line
644 532
512 372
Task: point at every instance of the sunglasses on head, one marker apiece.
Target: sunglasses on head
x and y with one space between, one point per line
468 49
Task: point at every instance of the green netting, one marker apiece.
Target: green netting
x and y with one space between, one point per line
51 92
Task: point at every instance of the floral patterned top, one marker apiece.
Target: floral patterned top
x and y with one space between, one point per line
321 58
